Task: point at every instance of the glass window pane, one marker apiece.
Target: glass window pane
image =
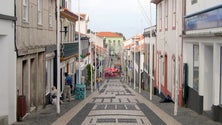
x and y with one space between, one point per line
196 67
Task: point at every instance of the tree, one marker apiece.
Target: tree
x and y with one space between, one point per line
88 75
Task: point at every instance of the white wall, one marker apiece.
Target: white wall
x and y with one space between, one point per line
168 39
200 5
7 7
7 63
216 73
208 77
7 68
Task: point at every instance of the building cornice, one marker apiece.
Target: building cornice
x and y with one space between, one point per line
64 12
156 1
195 35
7 17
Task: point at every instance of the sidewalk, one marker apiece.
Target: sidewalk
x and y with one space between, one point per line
48 115
185 115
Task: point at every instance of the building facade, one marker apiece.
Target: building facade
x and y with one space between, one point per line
149 50
134 59
113 42
8 63
168 70
36 46
202 55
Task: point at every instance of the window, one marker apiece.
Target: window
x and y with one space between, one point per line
166 15
160 17
195 67
119 42
25 10
193 1
50 13
174 3
49 75
40 12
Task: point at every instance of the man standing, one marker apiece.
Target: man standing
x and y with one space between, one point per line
67 88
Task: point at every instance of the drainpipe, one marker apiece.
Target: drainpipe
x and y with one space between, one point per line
16 49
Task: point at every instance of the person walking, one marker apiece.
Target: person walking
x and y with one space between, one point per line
67 88
97 83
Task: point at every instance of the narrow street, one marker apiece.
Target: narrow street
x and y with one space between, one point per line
116 103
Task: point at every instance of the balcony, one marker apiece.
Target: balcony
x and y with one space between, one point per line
69 50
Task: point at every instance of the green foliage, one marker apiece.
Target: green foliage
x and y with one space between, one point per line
82 56
88 75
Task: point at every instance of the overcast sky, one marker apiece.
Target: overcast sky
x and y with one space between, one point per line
129 17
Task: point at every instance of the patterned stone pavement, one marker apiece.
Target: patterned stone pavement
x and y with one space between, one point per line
116 103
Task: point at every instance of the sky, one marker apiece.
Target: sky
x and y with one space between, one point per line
128 17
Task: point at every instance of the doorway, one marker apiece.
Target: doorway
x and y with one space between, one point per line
165 73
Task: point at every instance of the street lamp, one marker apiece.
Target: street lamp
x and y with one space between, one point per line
140 70
65 26
95 64
134 64
79 41
91 60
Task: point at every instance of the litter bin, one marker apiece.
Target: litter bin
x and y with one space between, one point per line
21 107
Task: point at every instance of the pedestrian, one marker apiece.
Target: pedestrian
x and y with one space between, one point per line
67 87
97 83
53 96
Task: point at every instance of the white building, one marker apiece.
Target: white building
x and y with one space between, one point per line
168 70
203 53
134 58
7 63
149 40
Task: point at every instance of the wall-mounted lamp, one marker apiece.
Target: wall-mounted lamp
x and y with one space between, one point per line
65 26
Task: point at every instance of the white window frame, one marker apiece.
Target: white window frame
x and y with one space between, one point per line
160 17
166 15
49 75
40 12
50 13
25 10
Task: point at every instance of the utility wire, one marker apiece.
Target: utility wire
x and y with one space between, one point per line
146 17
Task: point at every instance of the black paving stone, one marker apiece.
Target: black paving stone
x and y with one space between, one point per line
128 91
121 107
100 107
110 107
81 115
153 118
102 91
128 100
131 107
107 120
126 120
